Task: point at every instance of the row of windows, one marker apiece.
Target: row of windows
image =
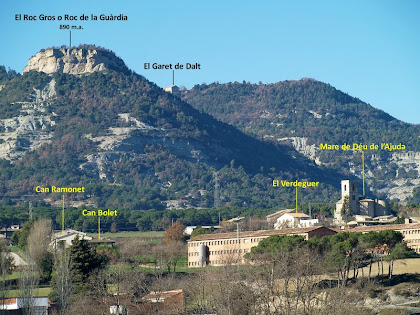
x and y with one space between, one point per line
411 232
413 241
225 242
211 262
222 252
225 251
212 243
253 240
219 262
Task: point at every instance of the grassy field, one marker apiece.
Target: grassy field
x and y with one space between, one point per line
13 276
401 266
131 234
38 292
182 266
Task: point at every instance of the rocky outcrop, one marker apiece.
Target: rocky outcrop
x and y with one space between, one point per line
406 164
75 61
31 129
402 187
23 133
301 145
130 142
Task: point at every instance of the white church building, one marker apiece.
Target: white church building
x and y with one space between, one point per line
358 206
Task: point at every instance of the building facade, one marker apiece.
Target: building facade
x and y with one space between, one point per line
219 249
411 232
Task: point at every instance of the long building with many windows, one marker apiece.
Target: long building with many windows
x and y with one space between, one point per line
411 232
229 248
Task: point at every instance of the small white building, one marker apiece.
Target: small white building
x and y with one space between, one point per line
294 220
190 228
308 223
118 310
173 89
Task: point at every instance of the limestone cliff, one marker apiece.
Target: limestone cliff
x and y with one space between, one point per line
402 177
31 128
75 61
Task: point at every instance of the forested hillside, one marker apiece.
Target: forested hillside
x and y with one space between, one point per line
306 113
133 146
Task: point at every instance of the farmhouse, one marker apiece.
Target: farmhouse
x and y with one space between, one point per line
66 239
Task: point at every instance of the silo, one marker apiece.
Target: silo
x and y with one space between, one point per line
202 255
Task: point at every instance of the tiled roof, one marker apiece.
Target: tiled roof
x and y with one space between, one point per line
8 301
279 213
384 227
261 233
298 215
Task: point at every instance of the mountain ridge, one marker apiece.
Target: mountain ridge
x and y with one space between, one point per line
307 112
135 146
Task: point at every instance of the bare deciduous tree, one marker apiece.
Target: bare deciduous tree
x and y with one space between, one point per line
39 239
6 264
28 282
62 282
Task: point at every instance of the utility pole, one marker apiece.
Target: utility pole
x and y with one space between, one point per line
216 190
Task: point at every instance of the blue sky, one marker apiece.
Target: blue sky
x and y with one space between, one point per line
369 49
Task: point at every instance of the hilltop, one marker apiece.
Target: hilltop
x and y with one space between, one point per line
84 59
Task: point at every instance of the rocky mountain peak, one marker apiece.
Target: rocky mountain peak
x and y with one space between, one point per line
81 60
